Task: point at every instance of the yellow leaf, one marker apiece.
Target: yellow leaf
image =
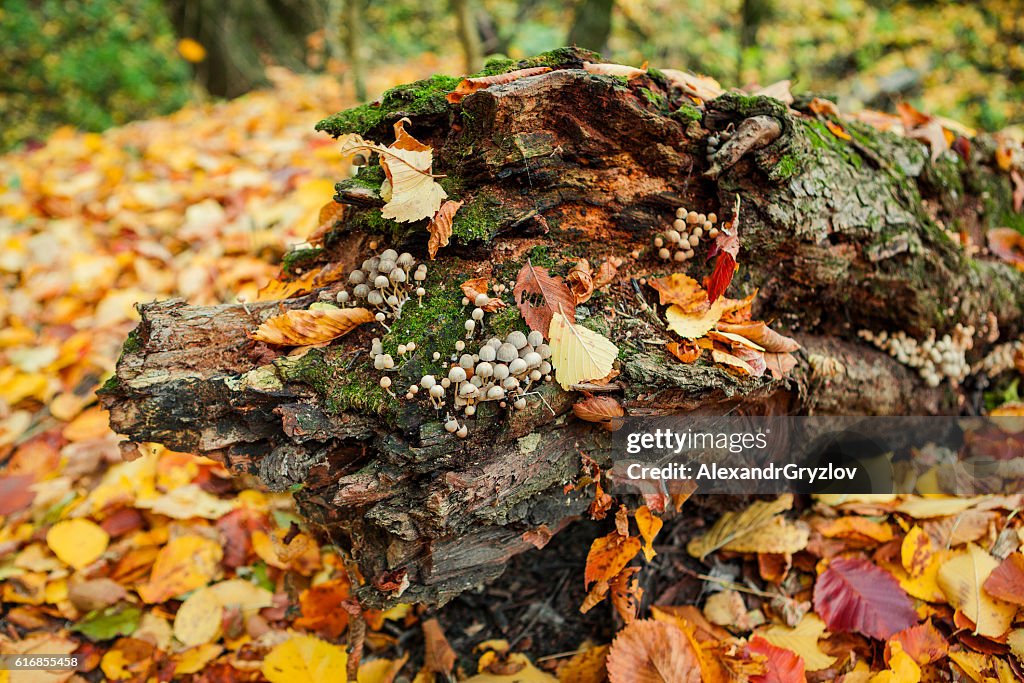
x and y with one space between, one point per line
916 551
973 664
682 291
925 586
77 542
246 596
191 50
303 328
920 507
198 619
195 659
414 194
380 670
802 640
1016 642
691 325
186 502
902 667
578 354
440 227
528 673
777 536
303 659
962 578
184 564
733 525
649 526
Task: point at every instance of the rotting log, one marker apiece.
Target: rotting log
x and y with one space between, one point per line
838 236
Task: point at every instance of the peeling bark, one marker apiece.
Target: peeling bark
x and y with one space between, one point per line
838 236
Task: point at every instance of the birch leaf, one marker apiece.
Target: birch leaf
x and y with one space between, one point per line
578 354
803 640
962 580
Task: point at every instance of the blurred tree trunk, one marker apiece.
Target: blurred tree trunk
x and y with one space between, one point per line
353 47
468 36
241 36
753 15
592 24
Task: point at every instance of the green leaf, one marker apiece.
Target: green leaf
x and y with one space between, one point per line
109 622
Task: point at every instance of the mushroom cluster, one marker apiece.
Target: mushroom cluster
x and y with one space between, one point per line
501 370
715 142
1002 358
385 282
688 228
934 359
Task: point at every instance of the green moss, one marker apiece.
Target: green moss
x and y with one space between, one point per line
436 323
422 98
295 261
658 77
687 113
496 65
479 220
787 167
540 255
506 320
339 386
110 386
133 343
655 99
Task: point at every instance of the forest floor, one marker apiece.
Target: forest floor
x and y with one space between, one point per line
96 553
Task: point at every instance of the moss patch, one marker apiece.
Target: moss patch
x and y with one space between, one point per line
341 388
436 324
656 100
422 98
295 261
479 220
687 113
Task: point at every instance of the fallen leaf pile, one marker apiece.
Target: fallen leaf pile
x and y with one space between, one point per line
159 568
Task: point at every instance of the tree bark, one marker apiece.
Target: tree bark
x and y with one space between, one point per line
836 235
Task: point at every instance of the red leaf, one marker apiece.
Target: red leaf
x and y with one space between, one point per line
15 493
718 281
923 643
783 666
856 596
1006 581
539 296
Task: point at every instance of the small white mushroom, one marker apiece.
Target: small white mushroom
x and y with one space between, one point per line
488 353
535 338
381 281
510 383
437 391
544 350
466 361
495 393
516 339
517 366
500 371
457 374
507 353
427 381
462 432
484 370
533 359
451 426
519 404
481 299
477 314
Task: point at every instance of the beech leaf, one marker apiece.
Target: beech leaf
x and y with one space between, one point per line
649 526
1006 582
539 296
856 596
802 640
440 227
782 665
762 335
962 579
468 86
578 354
649 651
304 328
683 291
604 410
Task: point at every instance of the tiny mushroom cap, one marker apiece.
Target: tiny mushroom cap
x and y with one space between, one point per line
457 374
357 277
477 314
370 263
462 432
397 275
517 366
465 301
420 291
451 425
385 382
470 325
476 381
466 361
401 349
481 299
544 350
533 359
488 353
419 275
470 411
389 254
436 355
495 342
375 298
342 297
380 317
468 389
392 300
545 367
388 361
535 375
460 345
361 291
520 403
517 339
427 381
405 259
495 393
436 391
510 383
484 369
500 371
507 353
411 346
535 338
413 389
381 281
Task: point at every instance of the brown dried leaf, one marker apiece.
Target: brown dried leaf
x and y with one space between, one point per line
580 281
330 214
649 651
683 291
649 526
609 555
626 594
477 286
1006 582
734 363
704 87
1008 245
762 335
823 107
780 90
439 656
538 537
468 86
687 351
305 328
440 227
779 364
606 274
596 594
535 283
604 410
